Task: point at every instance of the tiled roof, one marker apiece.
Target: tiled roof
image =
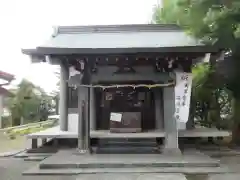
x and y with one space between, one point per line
118 39
120 36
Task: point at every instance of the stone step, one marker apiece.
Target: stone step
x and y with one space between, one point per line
212 148
133 176
136 144
126 150
43 150
71 159
164 164
127 146
26 155
218 154
75 171
127 140
35 158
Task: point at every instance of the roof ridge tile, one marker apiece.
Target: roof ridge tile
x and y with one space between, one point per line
117 28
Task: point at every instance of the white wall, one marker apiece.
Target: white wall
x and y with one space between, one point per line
73 122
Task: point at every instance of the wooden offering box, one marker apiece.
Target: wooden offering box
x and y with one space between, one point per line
125 122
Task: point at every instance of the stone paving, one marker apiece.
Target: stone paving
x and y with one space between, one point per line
225 177
138 176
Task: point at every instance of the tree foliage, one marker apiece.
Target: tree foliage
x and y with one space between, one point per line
215 22
29 103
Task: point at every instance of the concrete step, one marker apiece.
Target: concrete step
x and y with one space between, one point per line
136 144
218 154
69 165
35 158
127 146
74 171
133 176
26 155
71 159
126 140
126 150
44 150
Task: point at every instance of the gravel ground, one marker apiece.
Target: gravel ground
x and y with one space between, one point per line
12 168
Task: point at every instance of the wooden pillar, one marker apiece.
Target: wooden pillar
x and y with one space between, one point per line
92 109
87 119
83 113
64 75
158 109
34 143
81 123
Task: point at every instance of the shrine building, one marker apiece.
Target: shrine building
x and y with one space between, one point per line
131 81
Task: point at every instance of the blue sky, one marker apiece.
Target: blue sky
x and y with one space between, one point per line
28 23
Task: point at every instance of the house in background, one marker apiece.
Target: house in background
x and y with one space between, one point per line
5 79
131 81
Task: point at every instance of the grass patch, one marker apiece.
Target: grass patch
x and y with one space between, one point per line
15 139
18 143
12 134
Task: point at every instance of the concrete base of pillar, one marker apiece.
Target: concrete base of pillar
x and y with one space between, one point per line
82 151
34 144
172 151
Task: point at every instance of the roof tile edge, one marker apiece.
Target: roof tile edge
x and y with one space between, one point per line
118 28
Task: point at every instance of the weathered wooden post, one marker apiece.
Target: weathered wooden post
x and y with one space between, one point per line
81 128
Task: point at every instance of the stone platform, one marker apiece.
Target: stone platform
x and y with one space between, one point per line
70 159
133 176
55 132
67 162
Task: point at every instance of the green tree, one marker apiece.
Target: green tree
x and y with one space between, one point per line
216 22
29 103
